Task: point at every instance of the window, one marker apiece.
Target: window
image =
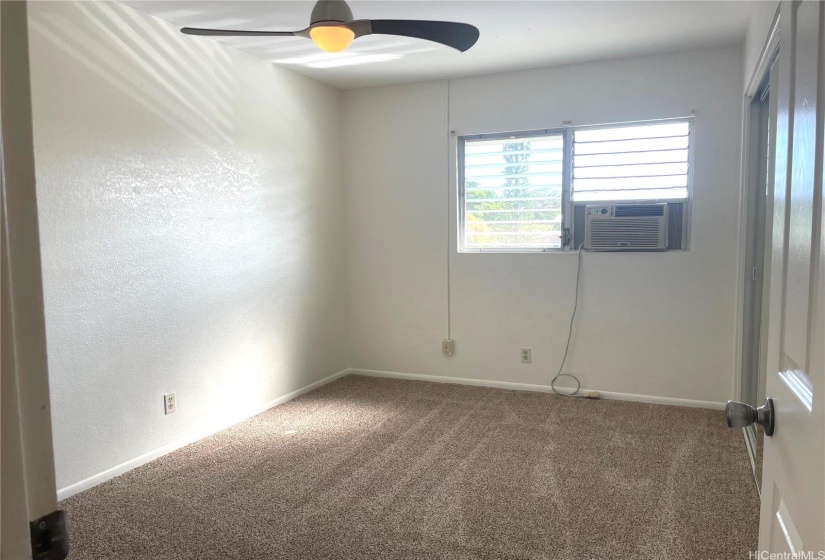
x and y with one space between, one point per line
636 162
528 191
513 192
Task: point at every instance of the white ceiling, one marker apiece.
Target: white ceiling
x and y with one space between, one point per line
515 34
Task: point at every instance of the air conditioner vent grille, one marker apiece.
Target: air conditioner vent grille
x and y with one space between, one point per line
626 227
636 210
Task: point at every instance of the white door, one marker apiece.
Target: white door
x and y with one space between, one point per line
793 484
27 459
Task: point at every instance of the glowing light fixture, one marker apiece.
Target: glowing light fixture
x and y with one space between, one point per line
332 38
333 28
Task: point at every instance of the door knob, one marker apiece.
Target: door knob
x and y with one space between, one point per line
739 415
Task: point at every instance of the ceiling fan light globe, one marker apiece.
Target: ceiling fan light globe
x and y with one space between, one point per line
331 38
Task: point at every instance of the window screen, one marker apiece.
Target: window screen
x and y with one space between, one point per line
631 162
512 192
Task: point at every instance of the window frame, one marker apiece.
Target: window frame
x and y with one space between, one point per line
568 206
567 175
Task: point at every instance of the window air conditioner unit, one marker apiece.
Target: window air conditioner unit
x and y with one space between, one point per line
625 227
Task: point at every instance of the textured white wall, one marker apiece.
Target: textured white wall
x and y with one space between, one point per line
190 208
657 324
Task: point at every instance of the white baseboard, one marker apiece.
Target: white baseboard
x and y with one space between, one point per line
118 470
94 480
539 388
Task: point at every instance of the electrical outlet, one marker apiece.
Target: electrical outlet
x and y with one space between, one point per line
447 347
526 355
170 403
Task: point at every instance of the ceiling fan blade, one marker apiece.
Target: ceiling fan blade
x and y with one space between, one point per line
459 36
236 33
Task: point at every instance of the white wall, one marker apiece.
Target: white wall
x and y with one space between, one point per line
658 324
190 208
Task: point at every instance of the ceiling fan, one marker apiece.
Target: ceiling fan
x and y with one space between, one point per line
333 29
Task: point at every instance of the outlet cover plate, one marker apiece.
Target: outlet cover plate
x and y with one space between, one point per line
526 356
170 403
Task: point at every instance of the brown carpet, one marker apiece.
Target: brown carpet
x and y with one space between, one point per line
381 468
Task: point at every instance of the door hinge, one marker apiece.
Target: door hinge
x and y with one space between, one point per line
753 274
50 537
565 237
